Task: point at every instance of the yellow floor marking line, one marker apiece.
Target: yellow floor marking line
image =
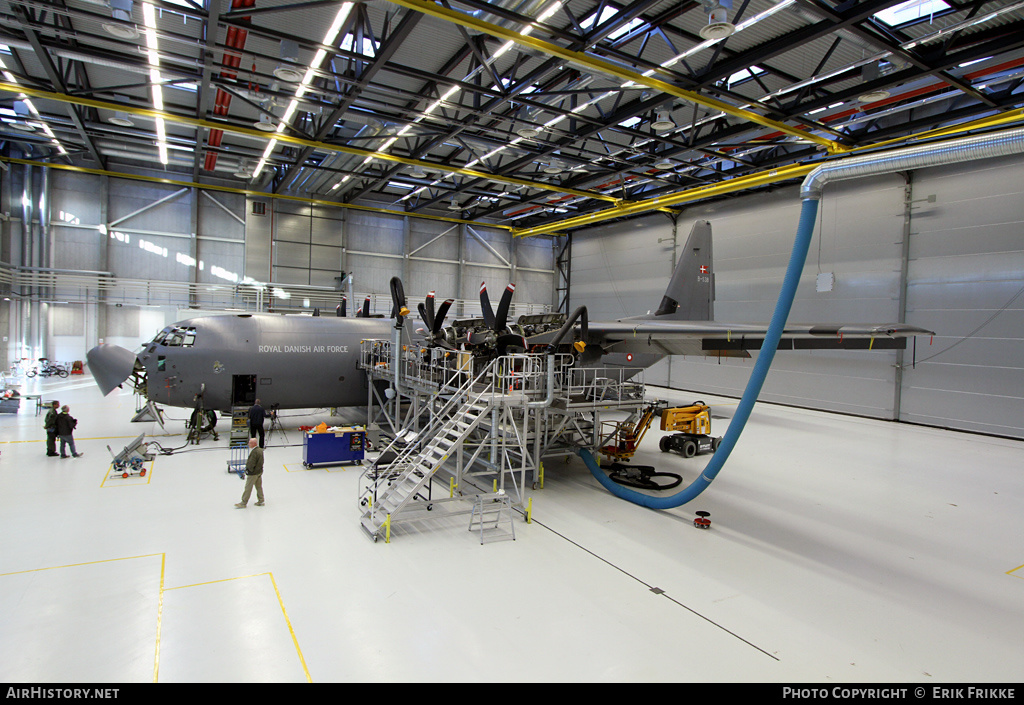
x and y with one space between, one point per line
1011 572
92 438
160 592
302 659
159 619
214 582
277 592
75 565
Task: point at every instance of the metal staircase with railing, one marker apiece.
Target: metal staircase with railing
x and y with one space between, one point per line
482 427
391 489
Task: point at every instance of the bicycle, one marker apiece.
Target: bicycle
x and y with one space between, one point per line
47 370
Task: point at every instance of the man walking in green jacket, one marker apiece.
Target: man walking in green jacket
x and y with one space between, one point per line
50 424
253 475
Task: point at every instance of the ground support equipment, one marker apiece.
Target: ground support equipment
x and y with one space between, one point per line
239 455
346 445
476 426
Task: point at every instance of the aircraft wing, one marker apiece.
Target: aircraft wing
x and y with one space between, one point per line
710 337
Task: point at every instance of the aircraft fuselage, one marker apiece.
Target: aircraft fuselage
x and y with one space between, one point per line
297 362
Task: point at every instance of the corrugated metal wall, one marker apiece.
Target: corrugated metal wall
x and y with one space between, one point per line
966 263
164 233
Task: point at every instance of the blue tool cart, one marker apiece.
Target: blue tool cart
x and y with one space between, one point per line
345 445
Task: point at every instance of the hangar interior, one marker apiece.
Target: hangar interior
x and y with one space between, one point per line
167 159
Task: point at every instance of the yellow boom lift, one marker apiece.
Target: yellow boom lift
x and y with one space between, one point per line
691 427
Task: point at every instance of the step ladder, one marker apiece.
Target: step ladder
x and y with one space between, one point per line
395 487
489 511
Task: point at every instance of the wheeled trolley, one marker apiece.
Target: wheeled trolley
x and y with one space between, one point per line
236 462
126 465
345 445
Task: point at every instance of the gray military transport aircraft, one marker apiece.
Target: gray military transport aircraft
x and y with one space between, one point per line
304 362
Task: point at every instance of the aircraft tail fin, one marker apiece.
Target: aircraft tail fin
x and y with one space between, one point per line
691 291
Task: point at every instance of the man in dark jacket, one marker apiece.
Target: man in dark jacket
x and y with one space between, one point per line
50 424
256 416
65 426
253 475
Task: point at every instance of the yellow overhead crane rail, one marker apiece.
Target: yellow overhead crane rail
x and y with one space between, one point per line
246 192
592 62
297 141
761 178
740 183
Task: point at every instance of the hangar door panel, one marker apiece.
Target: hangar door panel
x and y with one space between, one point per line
625 268
966 282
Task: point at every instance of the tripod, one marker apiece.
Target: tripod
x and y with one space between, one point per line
275 423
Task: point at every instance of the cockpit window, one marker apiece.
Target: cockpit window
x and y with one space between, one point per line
177 337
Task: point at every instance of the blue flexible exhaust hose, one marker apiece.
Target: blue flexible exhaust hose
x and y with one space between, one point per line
787 294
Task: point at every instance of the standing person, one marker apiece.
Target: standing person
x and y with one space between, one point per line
256 416
253 475
65 426
50 424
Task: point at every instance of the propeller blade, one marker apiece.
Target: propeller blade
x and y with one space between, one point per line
366 308
501 318
316 312
505 342
485 305
423 313
442 311
341 309
429 310
480 337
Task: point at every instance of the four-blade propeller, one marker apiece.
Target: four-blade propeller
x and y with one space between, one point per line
434 321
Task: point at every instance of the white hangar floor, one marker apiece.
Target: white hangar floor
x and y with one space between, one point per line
841 549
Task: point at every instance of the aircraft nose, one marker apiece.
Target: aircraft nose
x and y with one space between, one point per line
110 366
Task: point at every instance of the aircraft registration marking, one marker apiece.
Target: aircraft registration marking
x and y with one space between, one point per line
302 348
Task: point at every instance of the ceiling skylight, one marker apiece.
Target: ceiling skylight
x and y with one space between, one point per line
609 11
910 10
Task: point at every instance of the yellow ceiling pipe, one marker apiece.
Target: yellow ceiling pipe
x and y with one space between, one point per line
596 64
290 139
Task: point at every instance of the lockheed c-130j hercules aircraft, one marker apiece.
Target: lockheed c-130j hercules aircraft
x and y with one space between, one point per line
303 362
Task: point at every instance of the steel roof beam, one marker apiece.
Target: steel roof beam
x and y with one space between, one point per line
57 80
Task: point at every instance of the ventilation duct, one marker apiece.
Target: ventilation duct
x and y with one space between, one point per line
718 26
23 114
663 121
288 70
121 119
121 10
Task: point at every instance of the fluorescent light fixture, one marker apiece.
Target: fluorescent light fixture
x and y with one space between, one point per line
156 89
329 39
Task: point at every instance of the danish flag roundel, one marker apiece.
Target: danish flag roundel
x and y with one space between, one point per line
703 269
